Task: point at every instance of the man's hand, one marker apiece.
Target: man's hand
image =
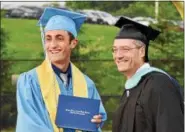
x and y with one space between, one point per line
97 119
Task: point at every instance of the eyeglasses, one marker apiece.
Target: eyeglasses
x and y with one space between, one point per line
123 49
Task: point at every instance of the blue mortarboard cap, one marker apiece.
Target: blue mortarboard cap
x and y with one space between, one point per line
58 19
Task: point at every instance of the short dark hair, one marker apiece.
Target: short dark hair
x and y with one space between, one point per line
71 36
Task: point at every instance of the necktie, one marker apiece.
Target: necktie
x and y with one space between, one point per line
64 78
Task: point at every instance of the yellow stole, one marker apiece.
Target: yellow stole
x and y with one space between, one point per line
50 89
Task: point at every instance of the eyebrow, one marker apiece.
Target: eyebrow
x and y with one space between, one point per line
58 35
48 35
121 47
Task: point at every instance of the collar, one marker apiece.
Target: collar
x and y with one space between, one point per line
145 65
58 71
143 70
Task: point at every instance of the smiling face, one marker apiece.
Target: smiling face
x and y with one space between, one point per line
59 46
128 55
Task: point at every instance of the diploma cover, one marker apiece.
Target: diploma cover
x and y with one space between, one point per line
77 112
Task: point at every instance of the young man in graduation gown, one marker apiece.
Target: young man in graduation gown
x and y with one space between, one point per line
151 101
39 88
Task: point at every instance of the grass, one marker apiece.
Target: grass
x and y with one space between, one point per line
13 130
8 130
25 42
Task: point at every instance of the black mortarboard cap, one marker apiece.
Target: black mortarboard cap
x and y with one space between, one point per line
130 29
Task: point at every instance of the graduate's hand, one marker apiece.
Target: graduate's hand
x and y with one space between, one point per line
97 119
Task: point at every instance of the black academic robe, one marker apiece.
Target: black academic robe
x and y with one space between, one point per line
154 105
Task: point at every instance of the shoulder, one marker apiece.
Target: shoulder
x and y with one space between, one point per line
157 77
158 82
27 76
27 81
89 81
92 90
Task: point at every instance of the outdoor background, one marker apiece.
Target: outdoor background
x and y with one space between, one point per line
21 50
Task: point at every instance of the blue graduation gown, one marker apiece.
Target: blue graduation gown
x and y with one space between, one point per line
32 113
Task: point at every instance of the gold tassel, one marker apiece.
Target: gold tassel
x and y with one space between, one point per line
180 7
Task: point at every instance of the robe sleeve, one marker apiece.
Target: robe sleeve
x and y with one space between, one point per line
102 109
31 114
93 93
165 104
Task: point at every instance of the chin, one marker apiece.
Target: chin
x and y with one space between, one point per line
54 60
123 69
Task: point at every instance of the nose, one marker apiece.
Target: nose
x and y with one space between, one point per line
53 44
118 54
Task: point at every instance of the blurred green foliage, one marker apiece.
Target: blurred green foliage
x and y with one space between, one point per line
129 8
20 39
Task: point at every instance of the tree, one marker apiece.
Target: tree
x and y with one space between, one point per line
168 11
137 9
52 4
147 9
8 113
109 6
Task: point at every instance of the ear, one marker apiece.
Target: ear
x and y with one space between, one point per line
142 52
73 43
